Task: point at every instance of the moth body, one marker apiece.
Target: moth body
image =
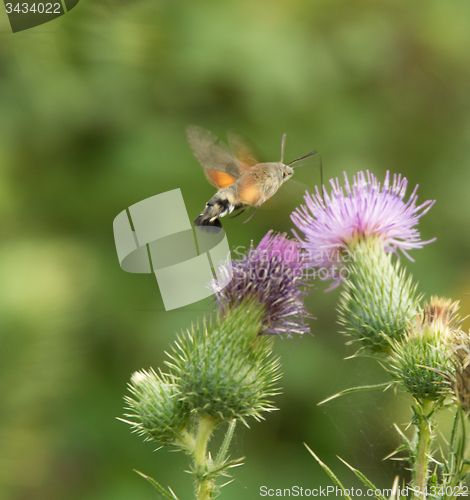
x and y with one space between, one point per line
241 180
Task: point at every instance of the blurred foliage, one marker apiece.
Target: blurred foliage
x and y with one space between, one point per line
93 110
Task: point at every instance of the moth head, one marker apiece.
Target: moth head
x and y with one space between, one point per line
287 172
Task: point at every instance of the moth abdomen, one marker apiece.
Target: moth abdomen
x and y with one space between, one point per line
202 221
218 206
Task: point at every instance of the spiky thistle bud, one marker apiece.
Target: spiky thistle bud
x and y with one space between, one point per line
224 367
156 407
378 299
420 361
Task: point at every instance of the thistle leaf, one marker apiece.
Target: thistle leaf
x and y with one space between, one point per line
364 479
167 494
357 389
329 472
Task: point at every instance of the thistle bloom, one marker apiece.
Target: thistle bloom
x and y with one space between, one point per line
334 223
271 273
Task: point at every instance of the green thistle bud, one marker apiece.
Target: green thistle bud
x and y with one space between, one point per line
156 408
378 300
223 367
420 361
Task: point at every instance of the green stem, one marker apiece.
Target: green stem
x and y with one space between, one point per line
420 471
204 487
465 458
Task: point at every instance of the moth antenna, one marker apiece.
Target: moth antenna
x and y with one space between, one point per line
283 143
302 158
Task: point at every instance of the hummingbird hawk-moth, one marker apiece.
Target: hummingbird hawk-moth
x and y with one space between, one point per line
242 181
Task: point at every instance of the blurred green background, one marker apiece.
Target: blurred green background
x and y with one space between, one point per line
93 108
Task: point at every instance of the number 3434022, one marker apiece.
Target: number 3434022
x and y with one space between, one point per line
35 8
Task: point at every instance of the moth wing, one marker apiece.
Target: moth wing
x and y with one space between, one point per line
289 196
219 179
221 167
243 150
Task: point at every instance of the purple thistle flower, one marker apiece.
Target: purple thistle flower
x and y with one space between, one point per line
335 222
271 274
